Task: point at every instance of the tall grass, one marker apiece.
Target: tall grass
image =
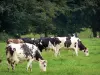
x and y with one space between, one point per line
66 64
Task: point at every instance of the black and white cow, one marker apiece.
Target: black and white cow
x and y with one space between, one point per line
24 51
76 44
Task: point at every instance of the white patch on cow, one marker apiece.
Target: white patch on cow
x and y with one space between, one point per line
32 39
41 42
50 45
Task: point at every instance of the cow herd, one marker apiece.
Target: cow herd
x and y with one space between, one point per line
29 49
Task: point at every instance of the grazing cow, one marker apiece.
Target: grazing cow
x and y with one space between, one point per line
24 51
76 44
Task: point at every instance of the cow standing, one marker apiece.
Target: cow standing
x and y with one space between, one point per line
24 51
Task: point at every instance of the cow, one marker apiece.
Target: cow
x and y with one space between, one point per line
20 52
73 43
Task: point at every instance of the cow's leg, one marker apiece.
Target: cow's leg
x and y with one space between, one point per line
76 49
29 65
8 63
56 52
58 49
13 66
59 52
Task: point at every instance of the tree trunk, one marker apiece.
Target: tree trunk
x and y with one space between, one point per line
45 34
99 34
94 32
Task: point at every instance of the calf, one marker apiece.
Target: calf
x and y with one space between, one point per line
24 51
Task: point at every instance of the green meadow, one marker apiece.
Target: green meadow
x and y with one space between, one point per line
66 64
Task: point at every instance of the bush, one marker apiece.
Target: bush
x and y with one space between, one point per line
4 36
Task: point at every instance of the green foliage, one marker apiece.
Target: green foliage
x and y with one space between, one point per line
58 17
4 36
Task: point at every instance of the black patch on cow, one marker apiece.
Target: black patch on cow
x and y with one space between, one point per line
67 42
8 60
9 49
40 46
42 43
27 50
55 41
75 45
81 46
38 56
27 40
36 42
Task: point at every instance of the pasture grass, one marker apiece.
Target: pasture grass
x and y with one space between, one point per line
66 64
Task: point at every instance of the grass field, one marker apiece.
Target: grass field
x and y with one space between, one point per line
67 64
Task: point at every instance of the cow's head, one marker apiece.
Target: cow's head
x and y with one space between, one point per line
43 64
86 52
83 48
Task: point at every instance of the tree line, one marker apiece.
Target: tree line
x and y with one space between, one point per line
57 17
